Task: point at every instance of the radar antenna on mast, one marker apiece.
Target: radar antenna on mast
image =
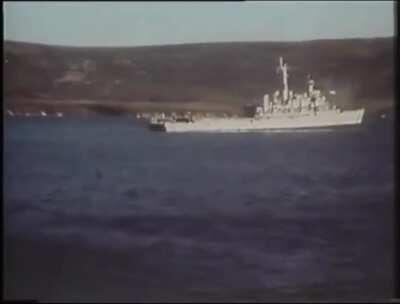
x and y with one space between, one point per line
284 68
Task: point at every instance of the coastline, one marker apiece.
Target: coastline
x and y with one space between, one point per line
86 107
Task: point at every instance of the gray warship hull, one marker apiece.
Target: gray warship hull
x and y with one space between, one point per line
326 119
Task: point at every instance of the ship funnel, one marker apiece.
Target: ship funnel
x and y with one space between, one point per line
266 103
310 85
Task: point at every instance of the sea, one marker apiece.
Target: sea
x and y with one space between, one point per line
102 209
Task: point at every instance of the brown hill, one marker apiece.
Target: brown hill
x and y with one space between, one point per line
209 74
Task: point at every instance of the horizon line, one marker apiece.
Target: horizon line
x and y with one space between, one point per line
194 43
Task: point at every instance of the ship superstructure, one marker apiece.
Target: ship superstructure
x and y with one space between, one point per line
283 110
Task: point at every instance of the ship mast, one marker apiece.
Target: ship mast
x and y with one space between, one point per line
283 68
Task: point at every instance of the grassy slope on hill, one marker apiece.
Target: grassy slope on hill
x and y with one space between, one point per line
207 75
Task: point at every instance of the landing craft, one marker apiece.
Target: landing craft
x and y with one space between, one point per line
285 111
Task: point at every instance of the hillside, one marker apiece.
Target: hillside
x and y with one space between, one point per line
207 75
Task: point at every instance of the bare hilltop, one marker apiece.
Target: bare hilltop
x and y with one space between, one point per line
202 77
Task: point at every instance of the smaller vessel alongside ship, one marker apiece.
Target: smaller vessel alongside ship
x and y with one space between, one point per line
284 111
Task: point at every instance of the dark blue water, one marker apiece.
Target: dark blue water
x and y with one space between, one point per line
104 209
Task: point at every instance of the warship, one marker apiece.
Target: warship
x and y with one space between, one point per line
284 111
